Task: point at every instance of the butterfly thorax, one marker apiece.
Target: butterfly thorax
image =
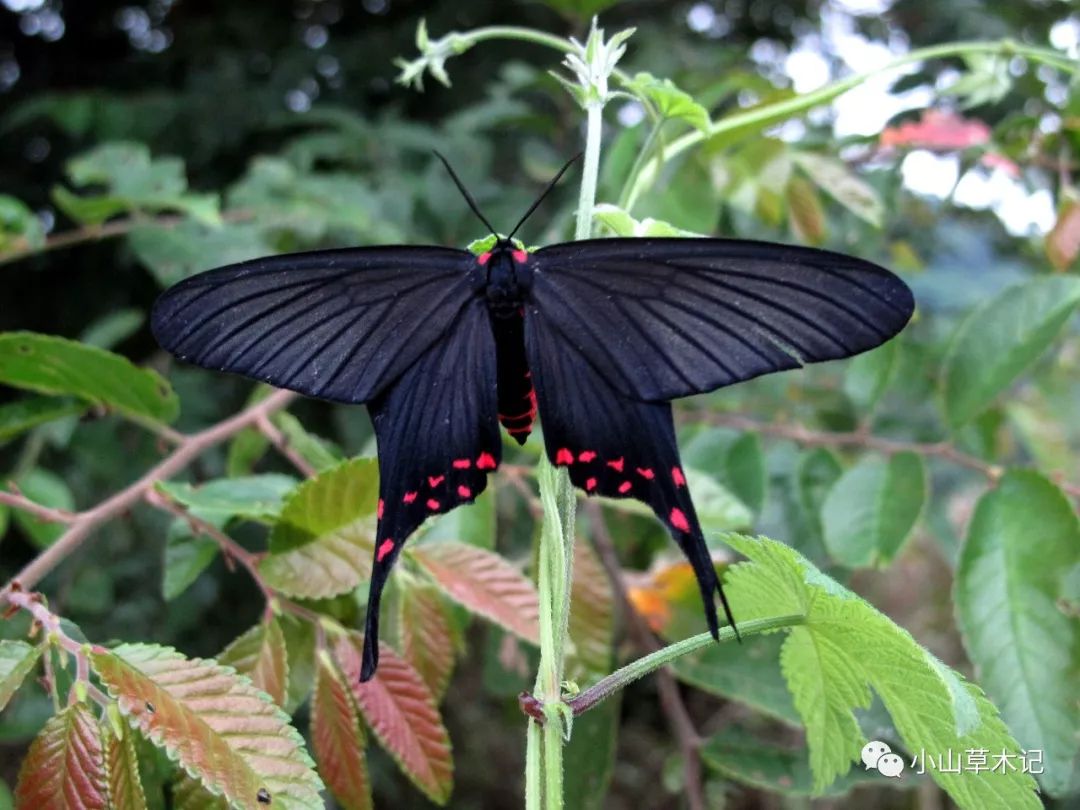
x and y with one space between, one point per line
504 279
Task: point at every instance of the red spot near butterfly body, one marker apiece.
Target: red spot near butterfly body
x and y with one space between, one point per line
624 487
385 548
435 480
586 455
590 485
486 461
464 491
520 256
409 497
564 456
646 472
432 504
483 258
617 464
679 521
462 463
379 511
677 477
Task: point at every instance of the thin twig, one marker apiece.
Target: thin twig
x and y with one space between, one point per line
281 442
86 523
671 702
17 500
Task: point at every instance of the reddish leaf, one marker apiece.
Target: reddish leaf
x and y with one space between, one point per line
218 726
189 794
1063 241
65 766
938 130
260 654
122 766
806 211
426 638
485 583
401 711
338 737
592 615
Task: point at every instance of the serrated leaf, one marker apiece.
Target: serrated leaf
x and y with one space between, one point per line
300 655
869 374
668 100
53 365
873 508
255 497
1022 543
843 185
845 648
23 414
323 544
65 766
187 555
592 618
806 212
260 654
47 489
17 660
189 794
1000 339
401 712
338 738
622 223
319 453
485 583
426 638
122 765
212 722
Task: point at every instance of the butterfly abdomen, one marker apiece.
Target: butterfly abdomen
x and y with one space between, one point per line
517 398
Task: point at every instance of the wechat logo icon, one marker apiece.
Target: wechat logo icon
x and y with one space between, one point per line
878 755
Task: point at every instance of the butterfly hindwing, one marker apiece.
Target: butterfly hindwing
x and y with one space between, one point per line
665 318
333 324
615 446
438 439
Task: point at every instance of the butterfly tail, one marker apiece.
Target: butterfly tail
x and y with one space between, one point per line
692 544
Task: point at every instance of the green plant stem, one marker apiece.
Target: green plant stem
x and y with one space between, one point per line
768 114
606 687
517 32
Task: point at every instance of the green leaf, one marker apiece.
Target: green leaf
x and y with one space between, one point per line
844 649
114 328
29 412
806 212
19 226
717 508
869 374
589 757
47 489
427 640
300 654
752 677
582 9
133 182
255 497
17 660
187 555
622 224
173 252
323 544
1022 544
260 654
739 755
319 453
668 100
122 765
1002 338
52 365
872 509
472 523
65 766
838 181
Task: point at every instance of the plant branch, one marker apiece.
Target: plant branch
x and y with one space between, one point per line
86 523
15 499
281 442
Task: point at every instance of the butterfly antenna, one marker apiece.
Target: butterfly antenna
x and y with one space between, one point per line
464 191
546 191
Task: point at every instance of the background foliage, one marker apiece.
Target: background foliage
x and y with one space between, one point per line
933 481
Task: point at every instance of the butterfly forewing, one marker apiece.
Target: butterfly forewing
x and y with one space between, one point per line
438 437
666 318
333 324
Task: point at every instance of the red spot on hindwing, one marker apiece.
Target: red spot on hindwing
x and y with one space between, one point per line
464 491
435 480
520 256
432 504
382 506
409 497
646 472
483 258
385 548
486 461
590 485
617 464
624 487
462 463
586 456
677 477
564 456
679 521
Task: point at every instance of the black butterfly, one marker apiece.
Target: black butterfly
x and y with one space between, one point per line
596 336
